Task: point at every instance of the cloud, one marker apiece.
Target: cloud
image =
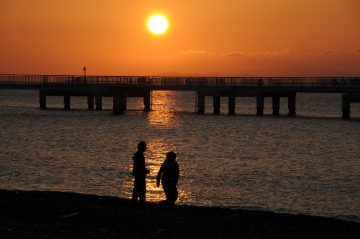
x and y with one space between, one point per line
194 53
236 54
242 54
265 54
328 51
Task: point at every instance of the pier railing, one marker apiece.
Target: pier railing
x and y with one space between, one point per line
181 81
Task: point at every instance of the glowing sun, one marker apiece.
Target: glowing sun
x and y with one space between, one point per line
157 24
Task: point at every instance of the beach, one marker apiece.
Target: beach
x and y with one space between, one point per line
45 214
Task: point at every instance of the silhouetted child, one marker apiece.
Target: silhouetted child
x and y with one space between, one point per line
169 176
139 172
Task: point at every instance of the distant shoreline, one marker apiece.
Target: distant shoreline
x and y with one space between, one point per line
37 214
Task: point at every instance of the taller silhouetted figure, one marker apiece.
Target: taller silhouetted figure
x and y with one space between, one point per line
169 175
139 172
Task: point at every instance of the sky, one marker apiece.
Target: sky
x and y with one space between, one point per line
205 37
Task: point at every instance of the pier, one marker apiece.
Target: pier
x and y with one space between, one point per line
122 87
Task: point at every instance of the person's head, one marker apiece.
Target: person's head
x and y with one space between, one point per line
141 146
171 156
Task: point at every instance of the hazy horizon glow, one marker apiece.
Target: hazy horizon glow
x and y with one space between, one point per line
207 37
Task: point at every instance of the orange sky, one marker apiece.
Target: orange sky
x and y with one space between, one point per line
206 37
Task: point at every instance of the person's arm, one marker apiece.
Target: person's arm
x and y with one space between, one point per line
177 173
159 176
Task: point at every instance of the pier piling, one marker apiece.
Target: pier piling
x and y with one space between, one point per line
231 104
292 104
347 99
147 101
201 103
216 104
90 101
276 105
119 104
67 102
345 106
42 99
260 104
98 100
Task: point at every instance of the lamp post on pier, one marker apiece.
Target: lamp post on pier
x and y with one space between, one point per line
84 69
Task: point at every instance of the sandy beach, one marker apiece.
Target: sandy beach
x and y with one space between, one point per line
31 214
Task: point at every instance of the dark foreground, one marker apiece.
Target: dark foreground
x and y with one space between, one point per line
69 215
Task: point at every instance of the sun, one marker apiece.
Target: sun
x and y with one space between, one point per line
157 24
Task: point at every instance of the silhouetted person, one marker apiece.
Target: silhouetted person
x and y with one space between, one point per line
139 172
169 176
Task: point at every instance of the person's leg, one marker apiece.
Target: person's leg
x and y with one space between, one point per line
167 192
134 194
176 194
171 194
142 192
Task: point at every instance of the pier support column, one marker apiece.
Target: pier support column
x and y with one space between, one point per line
345 106
42 100
231 103
67 102
119 104
98 100
201 104
90 100
147 102
276 105
260 105
216 104
292 104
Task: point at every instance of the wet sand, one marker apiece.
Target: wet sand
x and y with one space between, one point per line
32 214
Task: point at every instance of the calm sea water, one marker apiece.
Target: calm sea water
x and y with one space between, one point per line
309 164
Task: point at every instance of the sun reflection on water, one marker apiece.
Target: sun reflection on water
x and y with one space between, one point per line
161 116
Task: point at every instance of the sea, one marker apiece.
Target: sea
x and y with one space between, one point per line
308 164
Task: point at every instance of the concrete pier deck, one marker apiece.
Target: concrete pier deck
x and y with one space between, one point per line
122 87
